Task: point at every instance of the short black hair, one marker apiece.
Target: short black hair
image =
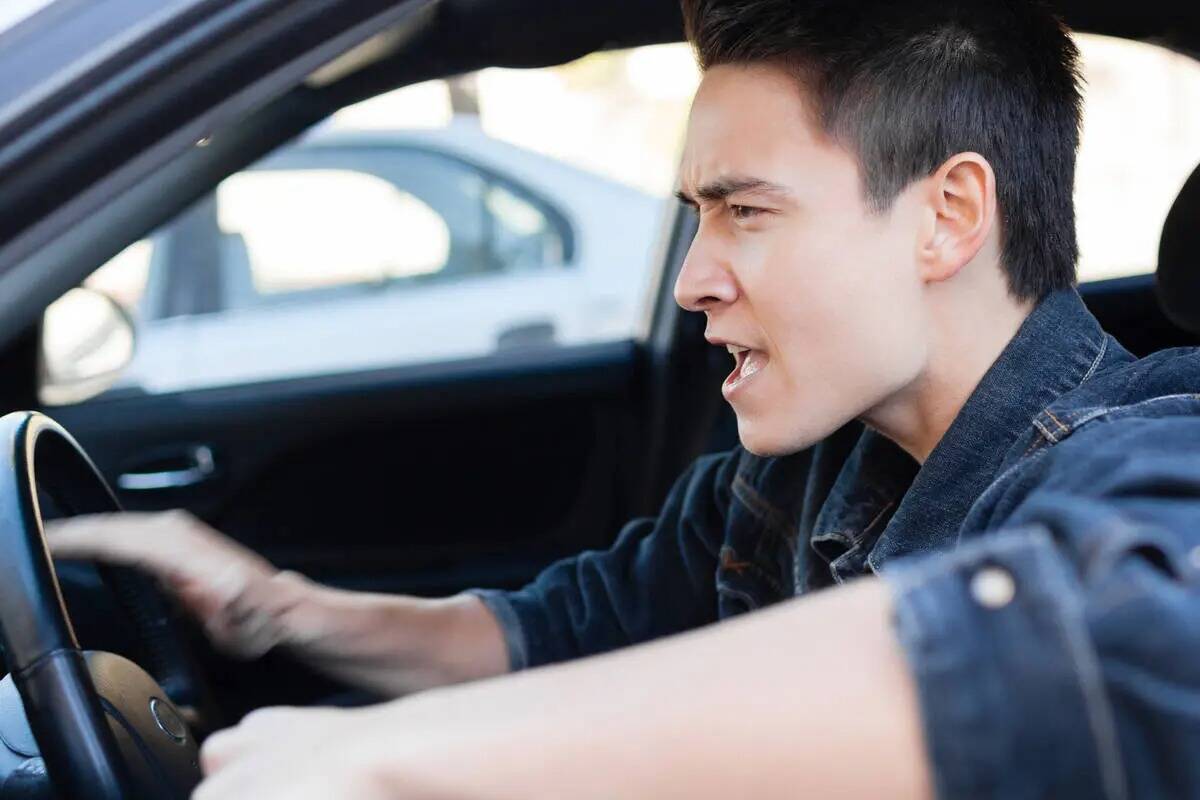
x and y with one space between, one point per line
906 84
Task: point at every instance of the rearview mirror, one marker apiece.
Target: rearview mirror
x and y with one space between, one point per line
87 341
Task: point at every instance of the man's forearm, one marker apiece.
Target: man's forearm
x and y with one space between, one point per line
784 703
393 645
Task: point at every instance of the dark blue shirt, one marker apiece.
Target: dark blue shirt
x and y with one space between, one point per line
1044 563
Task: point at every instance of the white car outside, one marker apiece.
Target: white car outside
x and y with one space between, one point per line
594 293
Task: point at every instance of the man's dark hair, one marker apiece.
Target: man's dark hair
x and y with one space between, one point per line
906 84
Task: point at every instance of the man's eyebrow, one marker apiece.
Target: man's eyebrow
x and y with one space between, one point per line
685 198
721 188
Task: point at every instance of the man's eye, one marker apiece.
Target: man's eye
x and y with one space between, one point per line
744 212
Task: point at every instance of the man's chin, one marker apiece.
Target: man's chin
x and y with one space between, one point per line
768 441
766 445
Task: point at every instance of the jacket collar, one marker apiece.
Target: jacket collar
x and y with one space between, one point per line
883 505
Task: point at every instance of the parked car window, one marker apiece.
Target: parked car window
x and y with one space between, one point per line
1140 142
444 221
317 228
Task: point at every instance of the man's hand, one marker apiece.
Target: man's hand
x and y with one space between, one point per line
299 754
390 644
235 593
438 745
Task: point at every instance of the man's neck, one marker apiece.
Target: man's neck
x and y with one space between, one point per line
968 335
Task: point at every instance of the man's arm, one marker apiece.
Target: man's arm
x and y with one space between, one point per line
390 644
808 699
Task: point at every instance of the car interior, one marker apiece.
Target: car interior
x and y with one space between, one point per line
423 479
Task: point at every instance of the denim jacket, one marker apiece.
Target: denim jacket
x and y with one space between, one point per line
1044 564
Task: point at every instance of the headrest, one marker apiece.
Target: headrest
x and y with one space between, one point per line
1178 278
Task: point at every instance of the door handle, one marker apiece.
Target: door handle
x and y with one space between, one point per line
198 467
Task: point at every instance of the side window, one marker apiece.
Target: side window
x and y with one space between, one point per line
443 221
1140 142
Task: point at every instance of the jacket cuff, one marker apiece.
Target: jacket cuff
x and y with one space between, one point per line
509 620
1012 697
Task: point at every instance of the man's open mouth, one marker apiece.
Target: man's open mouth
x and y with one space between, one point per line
747 363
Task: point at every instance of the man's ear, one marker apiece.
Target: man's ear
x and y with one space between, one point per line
962 205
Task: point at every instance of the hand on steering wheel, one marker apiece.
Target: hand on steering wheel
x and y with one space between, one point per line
229 588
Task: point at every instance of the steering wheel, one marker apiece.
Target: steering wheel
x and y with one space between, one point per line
103 726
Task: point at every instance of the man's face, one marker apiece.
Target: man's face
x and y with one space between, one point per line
790 262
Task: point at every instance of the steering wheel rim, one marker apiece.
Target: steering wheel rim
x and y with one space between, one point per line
64 710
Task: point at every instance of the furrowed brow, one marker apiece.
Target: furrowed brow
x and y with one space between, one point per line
722 188
686 198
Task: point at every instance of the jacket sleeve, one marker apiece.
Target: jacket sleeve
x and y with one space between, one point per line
658 578
1057 651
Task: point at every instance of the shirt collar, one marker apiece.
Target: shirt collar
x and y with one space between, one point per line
882 503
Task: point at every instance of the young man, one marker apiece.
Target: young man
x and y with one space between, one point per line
886 244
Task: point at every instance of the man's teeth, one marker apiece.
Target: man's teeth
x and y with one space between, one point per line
753 363
735 349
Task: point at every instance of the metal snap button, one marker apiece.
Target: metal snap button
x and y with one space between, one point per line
993 587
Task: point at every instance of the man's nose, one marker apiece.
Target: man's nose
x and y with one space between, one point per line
705 279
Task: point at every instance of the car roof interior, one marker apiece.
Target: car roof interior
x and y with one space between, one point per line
465 35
